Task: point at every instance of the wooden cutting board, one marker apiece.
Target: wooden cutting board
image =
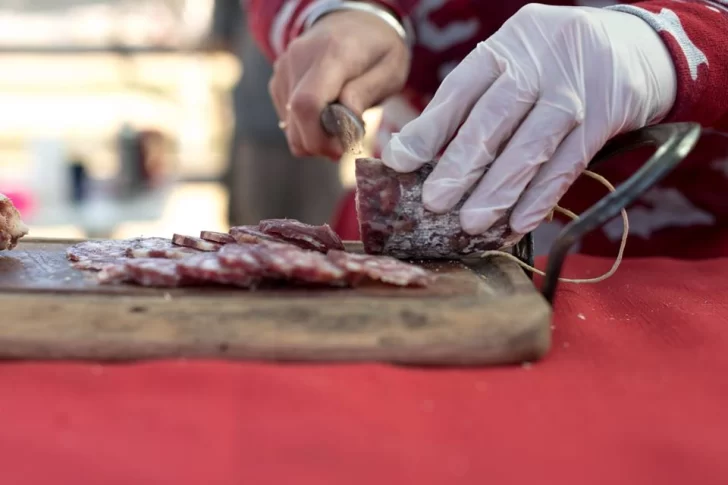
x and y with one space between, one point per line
482 314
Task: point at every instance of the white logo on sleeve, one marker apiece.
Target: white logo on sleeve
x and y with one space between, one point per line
670 208
438 38
668 21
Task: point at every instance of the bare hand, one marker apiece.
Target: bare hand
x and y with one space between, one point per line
352 57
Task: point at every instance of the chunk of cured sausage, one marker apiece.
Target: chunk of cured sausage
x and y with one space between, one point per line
394 222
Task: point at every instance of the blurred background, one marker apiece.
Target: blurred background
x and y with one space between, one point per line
121 118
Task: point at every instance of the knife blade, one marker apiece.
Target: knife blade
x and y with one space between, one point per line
340 122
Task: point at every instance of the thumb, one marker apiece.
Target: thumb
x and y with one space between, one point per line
385 78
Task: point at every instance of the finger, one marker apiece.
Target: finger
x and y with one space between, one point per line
278 87
374 85
532 146
489 125
553 180
319 86
422 139
295 140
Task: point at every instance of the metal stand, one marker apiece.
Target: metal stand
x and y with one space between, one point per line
674 142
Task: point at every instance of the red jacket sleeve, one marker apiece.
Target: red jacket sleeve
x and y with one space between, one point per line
696 34
275 23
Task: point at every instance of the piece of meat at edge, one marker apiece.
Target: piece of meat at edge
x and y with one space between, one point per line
319 238
12 227
393 221
385 269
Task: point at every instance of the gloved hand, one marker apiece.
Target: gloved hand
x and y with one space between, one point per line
536 101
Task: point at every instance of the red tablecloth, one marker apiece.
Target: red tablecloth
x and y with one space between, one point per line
635 391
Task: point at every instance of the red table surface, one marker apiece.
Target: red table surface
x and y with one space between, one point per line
635 391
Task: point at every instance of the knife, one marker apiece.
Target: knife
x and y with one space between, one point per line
340 122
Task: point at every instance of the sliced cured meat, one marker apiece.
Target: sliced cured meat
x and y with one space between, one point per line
169 253
195 243
217 237
207 268
98 250
159 273
157 247
12 228
149 243
240 257
318 238
94 264
97 254
154 272
360 267
113 273
250 235
285 261
394 222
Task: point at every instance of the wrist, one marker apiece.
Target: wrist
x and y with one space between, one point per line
644 34
320 8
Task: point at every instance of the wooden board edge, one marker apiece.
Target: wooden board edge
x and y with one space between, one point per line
402 332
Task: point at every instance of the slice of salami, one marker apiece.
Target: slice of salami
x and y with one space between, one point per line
195 243
394 222
250 235
97 250
240 257
360 267
217 237
95 264
160 273
97 254
157 247
171 253
285 261
207 268
113 273
317 238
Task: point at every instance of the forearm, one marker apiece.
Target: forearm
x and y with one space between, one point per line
696 34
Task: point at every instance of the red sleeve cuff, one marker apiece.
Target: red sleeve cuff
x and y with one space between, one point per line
696 34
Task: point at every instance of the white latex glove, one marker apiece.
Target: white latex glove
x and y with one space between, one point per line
549 89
